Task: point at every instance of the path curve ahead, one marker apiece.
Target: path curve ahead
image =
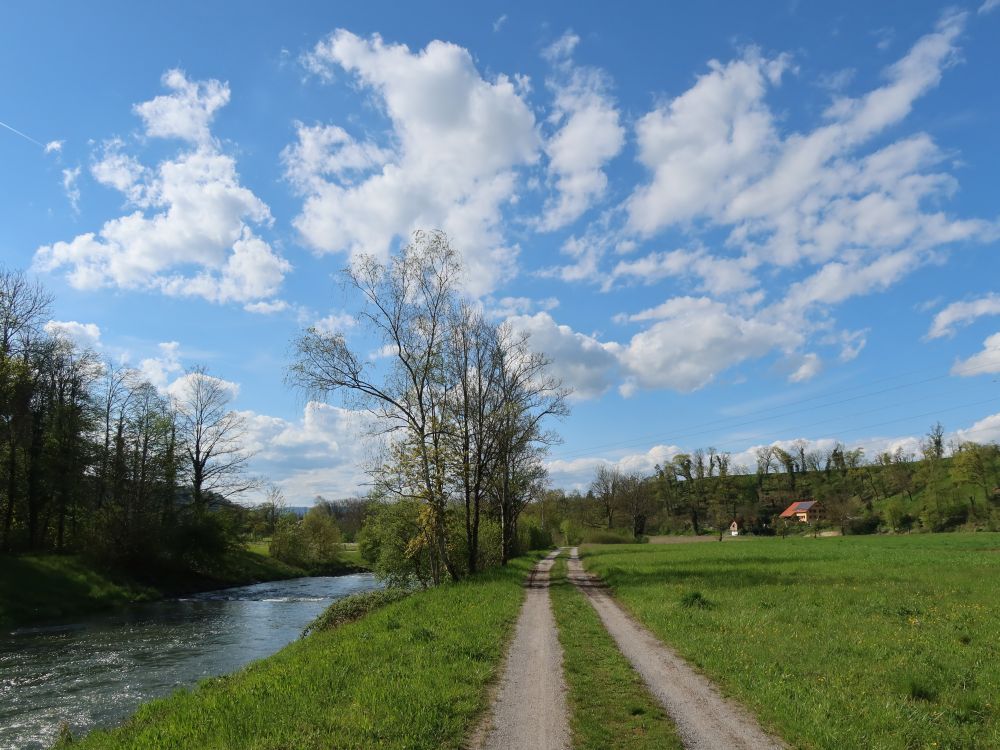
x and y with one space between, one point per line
705 720
530 711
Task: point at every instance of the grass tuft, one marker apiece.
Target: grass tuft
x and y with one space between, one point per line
695 600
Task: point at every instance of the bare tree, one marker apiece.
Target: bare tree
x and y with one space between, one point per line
528 396
213 437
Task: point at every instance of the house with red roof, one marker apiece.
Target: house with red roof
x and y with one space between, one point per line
805 511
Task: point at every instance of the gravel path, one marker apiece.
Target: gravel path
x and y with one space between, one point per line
530 711
704 719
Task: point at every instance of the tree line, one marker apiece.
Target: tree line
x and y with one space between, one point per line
940 488
94 458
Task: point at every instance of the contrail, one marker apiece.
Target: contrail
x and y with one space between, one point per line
26 137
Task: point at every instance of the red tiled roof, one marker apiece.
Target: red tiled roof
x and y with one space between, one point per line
797 507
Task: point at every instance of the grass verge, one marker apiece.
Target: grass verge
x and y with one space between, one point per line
413 674
609 704
888 642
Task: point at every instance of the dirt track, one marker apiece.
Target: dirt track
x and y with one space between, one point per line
530 712
705 720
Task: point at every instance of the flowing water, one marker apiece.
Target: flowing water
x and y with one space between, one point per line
96 671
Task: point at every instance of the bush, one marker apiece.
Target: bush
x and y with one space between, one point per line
863 524
312 543
530 535
354 607
599 536
572 532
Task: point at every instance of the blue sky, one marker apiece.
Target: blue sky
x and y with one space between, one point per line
728 224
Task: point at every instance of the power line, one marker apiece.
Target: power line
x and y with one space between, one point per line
762 415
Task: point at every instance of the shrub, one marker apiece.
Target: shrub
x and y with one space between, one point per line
599 536
354 607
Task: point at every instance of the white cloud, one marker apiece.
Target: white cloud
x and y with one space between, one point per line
123 172
187 111
705 145
457 141
335 322
507 307
181 388
53 147
72 190
324 151
717 275
962 313
499 23
578 473
267 308
583 363
325 452
986 430
989 6
158 370
588 135
190 212
694 339
985 362
810 365
87 335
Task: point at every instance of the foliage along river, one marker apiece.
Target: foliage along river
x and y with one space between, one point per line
96 671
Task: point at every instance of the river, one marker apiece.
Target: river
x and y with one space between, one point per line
95 671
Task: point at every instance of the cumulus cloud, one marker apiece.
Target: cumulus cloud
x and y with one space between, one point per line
962 313
704 146
985 362
692 340
715 153
158 370
457 142
182 388
87 335
324 452
578 473
53 147
191 232
986 430
588 135
583 363
187 111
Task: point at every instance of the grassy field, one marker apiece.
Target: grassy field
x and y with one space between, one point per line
413 674
609 705
880 642
42 588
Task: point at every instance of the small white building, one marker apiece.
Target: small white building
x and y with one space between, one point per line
734 529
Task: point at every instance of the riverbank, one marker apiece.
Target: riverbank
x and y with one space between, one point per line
413 674
41 588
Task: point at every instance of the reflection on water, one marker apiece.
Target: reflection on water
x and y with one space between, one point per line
94 672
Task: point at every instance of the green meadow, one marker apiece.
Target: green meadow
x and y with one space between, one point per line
413 674
845 642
